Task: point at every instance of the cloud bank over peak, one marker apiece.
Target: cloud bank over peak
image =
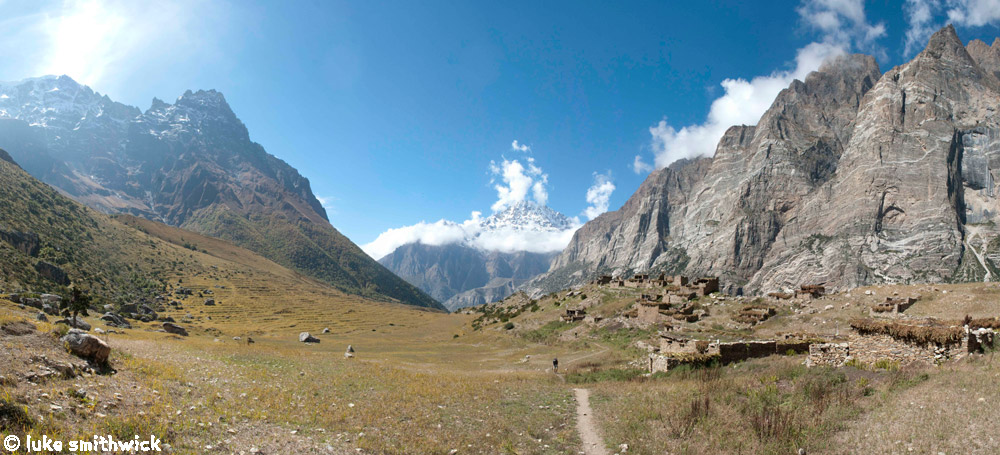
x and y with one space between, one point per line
520 220
842 25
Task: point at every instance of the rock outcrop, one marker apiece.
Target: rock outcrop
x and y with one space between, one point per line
86 346
850 178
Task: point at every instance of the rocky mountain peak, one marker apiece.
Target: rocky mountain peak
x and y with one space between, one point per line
988 57
945 44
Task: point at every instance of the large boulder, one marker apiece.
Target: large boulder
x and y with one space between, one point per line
175 329
115 320
305 337
34 303
130 308
78 324
50 310
146 310
86 346
51 299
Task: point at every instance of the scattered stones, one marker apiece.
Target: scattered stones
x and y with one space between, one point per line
86 346
209 302
350 352
326 330
305 337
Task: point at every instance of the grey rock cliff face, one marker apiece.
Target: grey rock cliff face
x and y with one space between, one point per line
850 178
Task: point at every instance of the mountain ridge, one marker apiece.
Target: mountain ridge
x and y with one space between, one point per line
190 164
851 177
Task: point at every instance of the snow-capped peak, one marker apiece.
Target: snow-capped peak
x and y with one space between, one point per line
527 216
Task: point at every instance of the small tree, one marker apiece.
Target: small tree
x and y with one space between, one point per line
76 305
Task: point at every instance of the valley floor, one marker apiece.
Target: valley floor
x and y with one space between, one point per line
438 386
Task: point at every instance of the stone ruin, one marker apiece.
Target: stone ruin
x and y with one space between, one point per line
753 314
675 351
657 309
892 306
701 286
903 342
810 291
574 315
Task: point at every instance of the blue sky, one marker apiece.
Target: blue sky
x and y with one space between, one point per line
395 110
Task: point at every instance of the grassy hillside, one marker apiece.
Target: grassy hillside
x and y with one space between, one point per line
313 248
40 226
123 259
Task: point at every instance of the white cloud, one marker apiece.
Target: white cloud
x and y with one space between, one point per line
923 18
920 16
510 240
326 201
842 22
640 166
519 147
842 25
518 179
442 232
469 232
599 195
974 13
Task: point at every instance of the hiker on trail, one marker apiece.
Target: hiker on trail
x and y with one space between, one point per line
555 365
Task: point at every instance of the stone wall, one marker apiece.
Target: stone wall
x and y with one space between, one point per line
875 347
735 352
828 354
647 314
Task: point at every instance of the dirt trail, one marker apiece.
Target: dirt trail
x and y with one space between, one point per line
592 442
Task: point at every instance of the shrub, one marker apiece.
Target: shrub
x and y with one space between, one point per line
14 417
508 326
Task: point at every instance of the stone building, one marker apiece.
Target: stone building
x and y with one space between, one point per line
810 291
651 312
574 315
892 306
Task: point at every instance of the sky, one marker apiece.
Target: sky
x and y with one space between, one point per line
410 115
